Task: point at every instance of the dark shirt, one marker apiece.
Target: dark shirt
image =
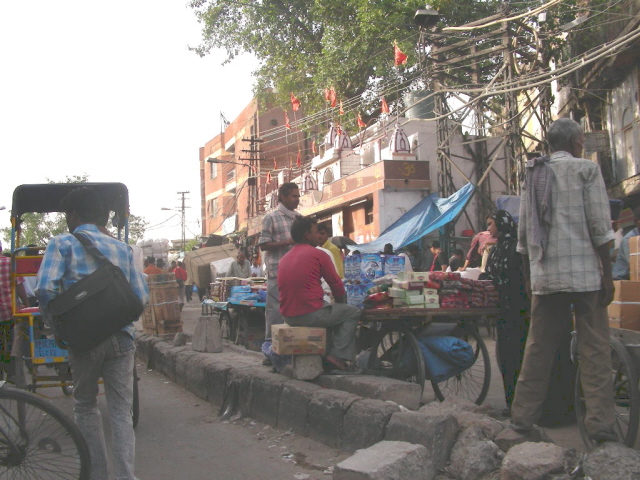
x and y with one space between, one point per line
437 262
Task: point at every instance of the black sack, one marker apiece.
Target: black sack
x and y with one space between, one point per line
97 306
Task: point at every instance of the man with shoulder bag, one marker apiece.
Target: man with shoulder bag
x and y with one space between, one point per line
90 292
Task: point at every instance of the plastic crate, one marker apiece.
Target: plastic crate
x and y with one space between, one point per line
46 351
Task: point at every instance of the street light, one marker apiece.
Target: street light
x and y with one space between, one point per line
219 160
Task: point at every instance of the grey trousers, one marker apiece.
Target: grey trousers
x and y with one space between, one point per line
272 310
341 320
550 317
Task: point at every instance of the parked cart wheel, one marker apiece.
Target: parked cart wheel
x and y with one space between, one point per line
473 383
395 353
626 397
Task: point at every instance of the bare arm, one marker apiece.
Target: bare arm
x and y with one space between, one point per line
22 294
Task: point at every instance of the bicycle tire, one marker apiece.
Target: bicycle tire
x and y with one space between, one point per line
395 353
135 405
48 445
626 397
473 383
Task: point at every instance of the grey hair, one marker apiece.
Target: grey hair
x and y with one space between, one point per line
561 134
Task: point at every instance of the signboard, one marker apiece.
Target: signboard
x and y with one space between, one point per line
229 225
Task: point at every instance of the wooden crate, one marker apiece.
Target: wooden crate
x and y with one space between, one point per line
162 314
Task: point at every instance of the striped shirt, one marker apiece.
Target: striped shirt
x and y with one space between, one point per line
580 223
276 227
66 261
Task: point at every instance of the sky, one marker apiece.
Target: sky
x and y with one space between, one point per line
110 89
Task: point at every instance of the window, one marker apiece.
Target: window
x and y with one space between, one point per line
368 212
214 171
213 207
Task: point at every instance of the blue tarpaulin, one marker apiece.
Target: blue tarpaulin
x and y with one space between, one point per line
428 215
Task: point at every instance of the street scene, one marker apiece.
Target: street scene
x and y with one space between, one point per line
366 241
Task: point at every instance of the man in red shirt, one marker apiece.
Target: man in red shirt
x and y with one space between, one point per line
301 302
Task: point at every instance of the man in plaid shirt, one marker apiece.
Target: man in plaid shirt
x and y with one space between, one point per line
565 236
65 262
275 240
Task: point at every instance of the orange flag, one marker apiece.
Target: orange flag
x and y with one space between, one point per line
298 159
286 121
327 94
275 164
295 103
384 107
361 124
313 147
332 97
341 109
269 176
399 57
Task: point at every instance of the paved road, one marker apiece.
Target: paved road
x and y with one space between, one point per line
179 436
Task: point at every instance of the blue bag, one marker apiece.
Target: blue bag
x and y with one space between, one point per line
445 356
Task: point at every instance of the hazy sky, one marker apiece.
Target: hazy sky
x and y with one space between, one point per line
110 89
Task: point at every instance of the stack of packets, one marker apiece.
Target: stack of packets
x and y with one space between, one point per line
370 274
248 294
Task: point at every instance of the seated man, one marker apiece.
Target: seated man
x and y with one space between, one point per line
240 267
301 303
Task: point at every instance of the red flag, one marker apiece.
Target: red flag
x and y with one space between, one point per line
298 159
399 57
286 121
295 103
384 107
341 109
275 164
327 94
361 124
269 177
332 97
313 147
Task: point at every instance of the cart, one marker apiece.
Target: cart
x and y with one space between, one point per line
395 352
43 350
625 361
235 318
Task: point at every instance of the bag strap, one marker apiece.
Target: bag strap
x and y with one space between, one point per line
91 248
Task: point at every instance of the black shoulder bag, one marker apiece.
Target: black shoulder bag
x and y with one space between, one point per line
97 306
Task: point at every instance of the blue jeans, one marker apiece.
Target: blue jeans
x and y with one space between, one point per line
113 360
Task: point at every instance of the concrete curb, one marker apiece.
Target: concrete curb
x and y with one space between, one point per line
238 384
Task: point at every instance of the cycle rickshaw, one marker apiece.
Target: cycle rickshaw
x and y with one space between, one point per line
43 351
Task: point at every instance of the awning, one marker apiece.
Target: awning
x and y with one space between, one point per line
428 215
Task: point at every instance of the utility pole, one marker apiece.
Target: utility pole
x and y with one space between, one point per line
182 217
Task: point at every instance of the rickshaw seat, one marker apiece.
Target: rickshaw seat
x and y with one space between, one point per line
28 265
29 310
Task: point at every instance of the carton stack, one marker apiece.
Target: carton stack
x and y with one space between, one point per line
624 310
162 314
408 291
288 340
634 259
221 288
363 271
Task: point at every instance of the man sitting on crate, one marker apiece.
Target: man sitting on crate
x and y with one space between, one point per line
301 294
65 262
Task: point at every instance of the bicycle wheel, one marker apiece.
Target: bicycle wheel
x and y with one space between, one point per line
37 441
395 353
626 397
135 406
473 383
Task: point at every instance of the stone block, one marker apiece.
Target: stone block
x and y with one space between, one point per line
169 363
265 391
207 336
509 438
143 347
534 461
612 461
306 367
293 412
217 375
365 422
197 376
406 394
240 383
326 414
490 426
437 433
182 356
473 455
387 461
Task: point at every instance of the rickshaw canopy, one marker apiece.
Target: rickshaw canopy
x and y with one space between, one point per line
45 197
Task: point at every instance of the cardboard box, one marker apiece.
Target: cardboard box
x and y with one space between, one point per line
413 293
634 259
415 300
419 276
393 264
624 310
371 266
352 267
399 302
397 292
288 340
